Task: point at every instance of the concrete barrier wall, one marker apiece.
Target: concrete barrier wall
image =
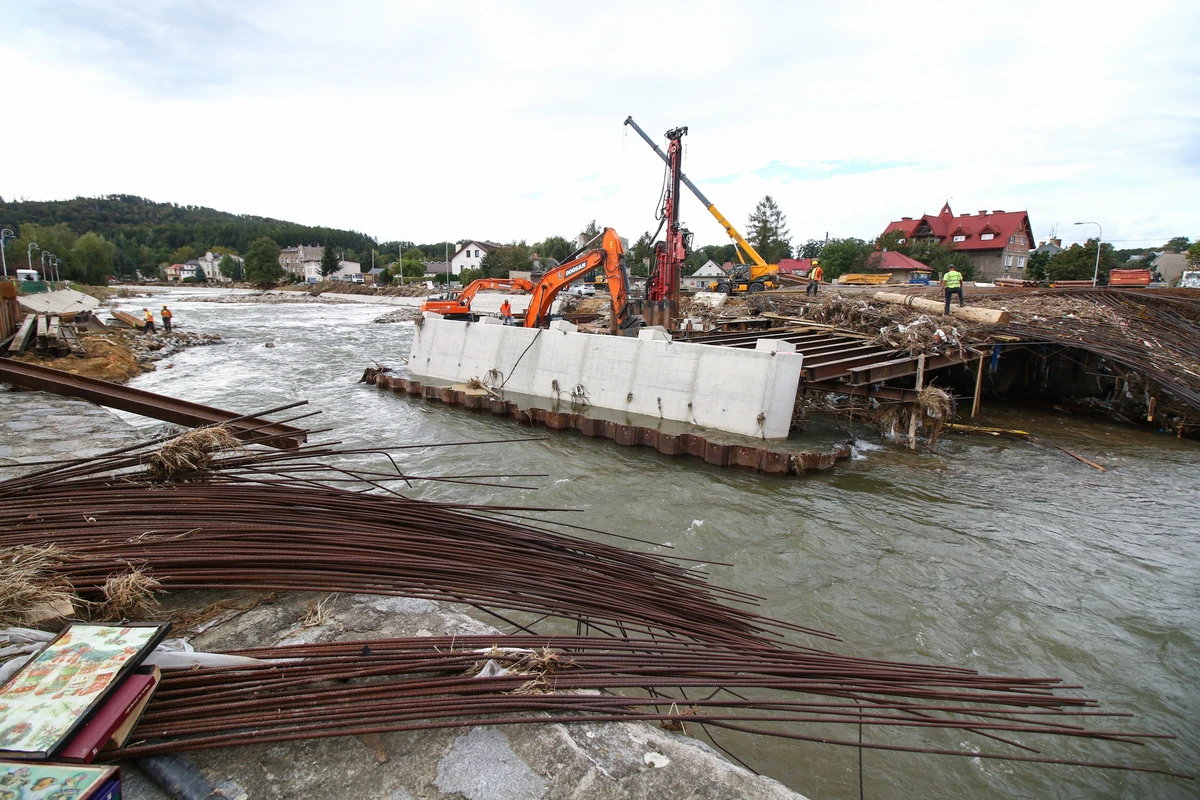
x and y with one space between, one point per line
751 392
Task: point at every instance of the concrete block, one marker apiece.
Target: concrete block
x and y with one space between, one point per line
710 299
489 320
654 333
564 326
743 391
774 346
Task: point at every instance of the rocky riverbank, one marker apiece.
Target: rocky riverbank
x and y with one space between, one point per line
402 314
273 298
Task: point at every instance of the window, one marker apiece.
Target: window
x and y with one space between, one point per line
1012 240
1008 261
987 236
1023 240
900 241
1021 262
960 238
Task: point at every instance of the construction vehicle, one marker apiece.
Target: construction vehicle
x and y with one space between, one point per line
610 258
755 276
458 305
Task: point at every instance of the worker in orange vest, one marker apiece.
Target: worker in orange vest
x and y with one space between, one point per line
149 319
166 317
814 279
506 312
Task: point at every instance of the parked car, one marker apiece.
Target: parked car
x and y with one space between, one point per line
581 290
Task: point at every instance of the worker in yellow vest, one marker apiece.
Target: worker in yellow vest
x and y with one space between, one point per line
814 279
149 320
952 283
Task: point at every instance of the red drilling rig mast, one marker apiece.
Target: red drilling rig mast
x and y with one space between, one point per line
662 290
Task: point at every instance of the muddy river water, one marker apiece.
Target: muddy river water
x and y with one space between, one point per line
987 553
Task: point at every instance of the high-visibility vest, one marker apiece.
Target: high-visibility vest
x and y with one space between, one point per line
817 274
953 279
166 313
149 317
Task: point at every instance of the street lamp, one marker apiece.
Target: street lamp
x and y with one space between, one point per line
57 274
5 234
1099 238
45 253
29 253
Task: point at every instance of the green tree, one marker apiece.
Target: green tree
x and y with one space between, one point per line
555 247
1193 255
1177 244
1078 263
384 278
182 255
468 275
413 267
590 231
810 249
200 276
262 261
329 261
1036 268
769 234
499 262
91 259
844 256
230 268
58 239
643 251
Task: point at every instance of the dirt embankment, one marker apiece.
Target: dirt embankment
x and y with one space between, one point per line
117 354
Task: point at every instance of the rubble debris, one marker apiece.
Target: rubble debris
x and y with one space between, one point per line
401 314
275 298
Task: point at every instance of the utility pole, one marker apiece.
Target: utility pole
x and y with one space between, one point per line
400 256
447 265
5 234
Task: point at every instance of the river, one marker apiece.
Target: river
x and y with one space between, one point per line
987 553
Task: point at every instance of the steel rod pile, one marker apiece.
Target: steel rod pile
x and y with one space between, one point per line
424 683
261 521
201 511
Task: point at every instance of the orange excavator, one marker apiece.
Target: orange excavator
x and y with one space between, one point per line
609 258
459 306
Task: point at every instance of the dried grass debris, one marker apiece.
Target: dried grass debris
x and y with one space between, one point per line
192 454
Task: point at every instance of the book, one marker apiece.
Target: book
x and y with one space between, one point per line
122 734
124 705
51 697
75 781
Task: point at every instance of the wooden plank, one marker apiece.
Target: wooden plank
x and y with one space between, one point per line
24 334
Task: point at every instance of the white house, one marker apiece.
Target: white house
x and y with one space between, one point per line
348 271
703 276
470 256
210 262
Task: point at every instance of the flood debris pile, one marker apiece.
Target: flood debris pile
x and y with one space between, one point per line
275 298
402 314
207 511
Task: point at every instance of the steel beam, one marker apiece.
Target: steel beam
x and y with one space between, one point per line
148 404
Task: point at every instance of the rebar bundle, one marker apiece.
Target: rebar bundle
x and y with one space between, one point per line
425 683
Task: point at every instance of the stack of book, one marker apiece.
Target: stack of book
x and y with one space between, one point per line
78 696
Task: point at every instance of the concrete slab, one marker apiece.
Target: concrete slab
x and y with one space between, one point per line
63 301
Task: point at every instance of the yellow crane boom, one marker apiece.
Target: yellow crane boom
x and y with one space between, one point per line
712 209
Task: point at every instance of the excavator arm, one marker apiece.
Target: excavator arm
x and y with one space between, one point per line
610 257
460 306
726 224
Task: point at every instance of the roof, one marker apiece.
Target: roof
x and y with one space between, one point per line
486 247
890 259
946 225
376 271
790 266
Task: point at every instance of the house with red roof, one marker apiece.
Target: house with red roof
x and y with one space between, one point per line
997 242
902 268
795 266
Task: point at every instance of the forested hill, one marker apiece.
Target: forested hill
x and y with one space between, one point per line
144 234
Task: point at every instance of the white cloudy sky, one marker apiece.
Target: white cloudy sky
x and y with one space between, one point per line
496 120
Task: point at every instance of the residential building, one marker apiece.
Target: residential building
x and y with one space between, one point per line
902 268
1170 266
470 256
177 272
210 262
371 277
1052 246
701 278
437 267
997 242
294 259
